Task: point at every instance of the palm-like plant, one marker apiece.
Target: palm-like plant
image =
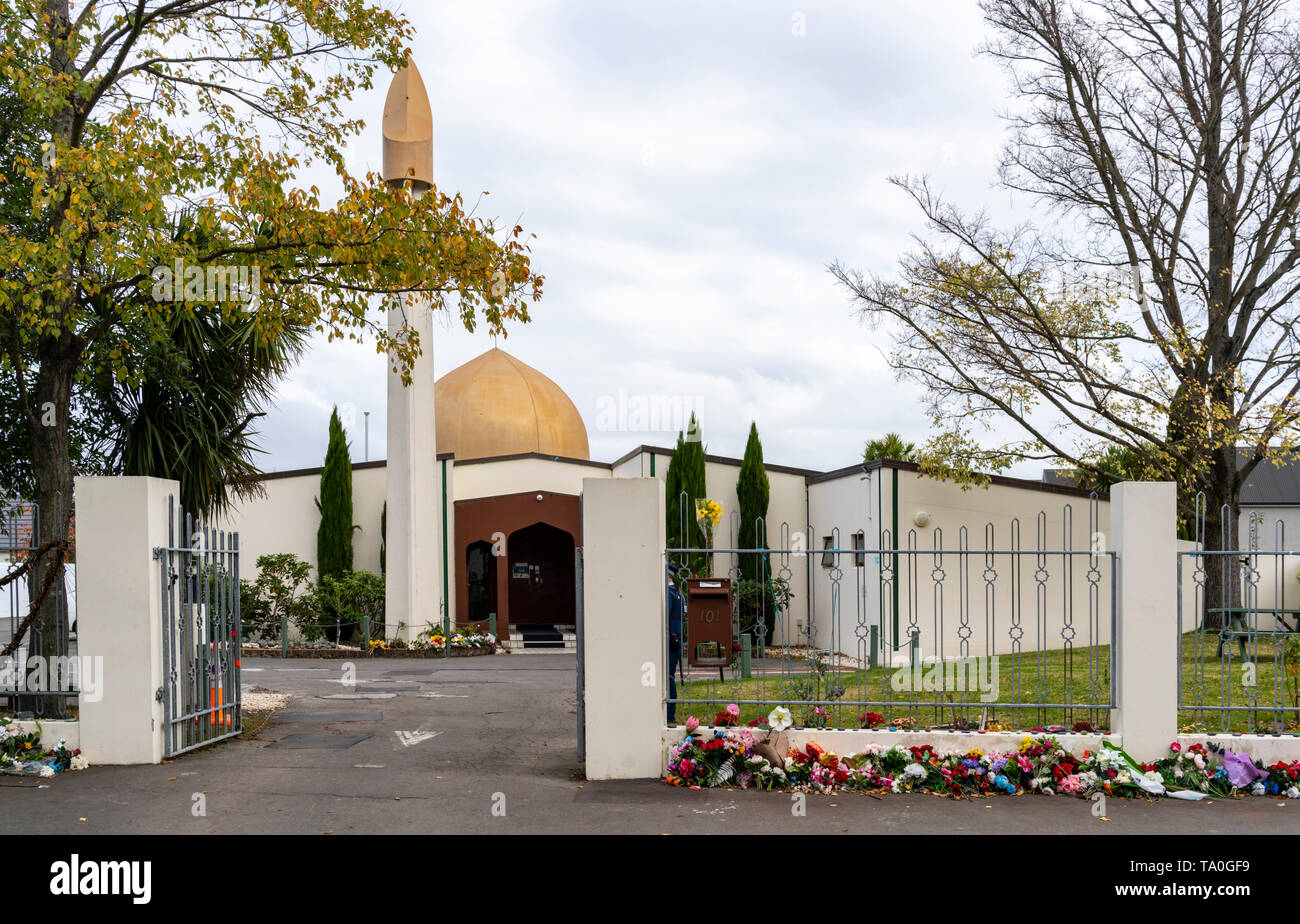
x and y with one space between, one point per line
891 446
185 411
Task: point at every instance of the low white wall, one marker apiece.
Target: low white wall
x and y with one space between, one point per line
52 731
854 741
1268 749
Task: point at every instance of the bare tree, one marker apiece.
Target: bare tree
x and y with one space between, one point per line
1155 315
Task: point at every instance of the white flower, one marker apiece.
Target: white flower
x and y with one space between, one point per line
1257 789
914 771
1293 793
1153 776
780 719
47 771
79 762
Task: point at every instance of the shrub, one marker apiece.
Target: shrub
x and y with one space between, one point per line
768 597
282 589
351 598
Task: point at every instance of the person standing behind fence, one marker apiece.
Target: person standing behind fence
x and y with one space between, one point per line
676 610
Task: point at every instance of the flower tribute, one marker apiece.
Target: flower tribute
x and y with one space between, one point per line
743 757
21 753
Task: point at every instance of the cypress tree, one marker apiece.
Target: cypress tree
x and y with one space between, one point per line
753 493
334 536
672 498
686 474
693 483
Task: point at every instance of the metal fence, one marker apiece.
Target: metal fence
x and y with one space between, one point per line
33 684
1239 630
992 631
199 579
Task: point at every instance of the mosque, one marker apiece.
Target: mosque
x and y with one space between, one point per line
481 490
478 505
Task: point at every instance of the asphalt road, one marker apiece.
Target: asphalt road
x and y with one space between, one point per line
488 745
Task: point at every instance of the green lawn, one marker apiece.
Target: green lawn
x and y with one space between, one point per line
1030 678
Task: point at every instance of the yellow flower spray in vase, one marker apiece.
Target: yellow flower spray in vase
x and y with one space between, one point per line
708 513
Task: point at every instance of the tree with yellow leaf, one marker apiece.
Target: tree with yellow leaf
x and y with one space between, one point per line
152 109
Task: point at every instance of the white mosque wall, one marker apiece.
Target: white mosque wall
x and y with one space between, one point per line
937 591
516 476
286 519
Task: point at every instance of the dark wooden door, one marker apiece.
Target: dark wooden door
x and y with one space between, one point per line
540 576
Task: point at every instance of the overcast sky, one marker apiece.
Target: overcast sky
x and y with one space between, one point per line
688 169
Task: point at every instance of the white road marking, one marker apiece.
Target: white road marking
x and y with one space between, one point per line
409 738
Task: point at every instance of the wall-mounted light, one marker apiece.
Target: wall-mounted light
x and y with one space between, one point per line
921 519
539 497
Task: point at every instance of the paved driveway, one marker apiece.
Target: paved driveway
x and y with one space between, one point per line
481 745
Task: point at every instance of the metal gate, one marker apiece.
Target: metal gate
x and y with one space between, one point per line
199 576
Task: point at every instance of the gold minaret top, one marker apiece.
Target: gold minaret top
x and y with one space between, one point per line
408 130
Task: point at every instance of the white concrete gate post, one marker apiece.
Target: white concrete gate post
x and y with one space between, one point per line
624 630
120 521
1144 534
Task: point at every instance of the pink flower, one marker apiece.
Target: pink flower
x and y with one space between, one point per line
692 723
733 709
1175 747
1071 785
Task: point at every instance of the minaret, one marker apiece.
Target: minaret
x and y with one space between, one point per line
414 554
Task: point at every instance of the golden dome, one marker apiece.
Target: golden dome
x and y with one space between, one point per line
494 405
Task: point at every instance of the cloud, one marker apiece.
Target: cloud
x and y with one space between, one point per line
688 170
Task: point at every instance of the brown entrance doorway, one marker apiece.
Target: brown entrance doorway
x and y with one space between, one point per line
540 576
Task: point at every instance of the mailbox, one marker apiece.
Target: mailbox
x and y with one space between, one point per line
708 626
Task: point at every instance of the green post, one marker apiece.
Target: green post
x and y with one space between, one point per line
492 624
873 658
365 631
284 635
746 670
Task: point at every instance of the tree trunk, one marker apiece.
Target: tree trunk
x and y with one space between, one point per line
1222 519
52 467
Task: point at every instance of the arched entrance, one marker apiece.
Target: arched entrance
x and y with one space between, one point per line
540 576
481 575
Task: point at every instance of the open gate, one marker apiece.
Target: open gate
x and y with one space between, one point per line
199 576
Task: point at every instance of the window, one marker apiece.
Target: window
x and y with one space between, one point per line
828 557
860 544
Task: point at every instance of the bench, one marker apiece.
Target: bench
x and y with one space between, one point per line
1236 619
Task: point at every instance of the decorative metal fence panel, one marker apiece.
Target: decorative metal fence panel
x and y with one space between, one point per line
199 574
42 685
1239 630
987 632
